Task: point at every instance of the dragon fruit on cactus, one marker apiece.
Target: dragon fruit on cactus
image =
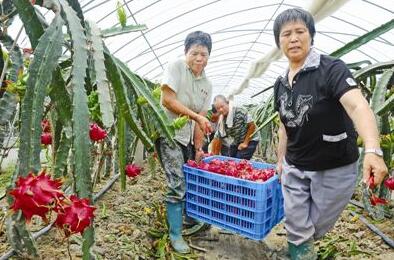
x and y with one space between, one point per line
46 138
46 126
75 216
133 170
36 195
96 133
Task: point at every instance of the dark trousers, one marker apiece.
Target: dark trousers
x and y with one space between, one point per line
172 158
246 153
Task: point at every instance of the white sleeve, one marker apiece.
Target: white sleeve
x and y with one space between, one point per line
171 76
207 103
249 118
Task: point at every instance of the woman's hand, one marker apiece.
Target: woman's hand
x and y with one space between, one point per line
199 155
204 124
374 165
242 146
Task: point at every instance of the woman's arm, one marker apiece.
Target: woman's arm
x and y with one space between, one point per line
198 139
357 108
170 101
248 136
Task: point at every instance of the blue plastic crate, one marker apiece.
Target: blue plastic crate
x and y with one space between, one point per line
248 208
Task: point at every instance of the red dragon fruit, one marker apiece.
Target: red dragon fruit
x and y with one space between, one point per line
46 138
389 183
96 133
75 216
242 169
375 200
46 126
36 195
133 170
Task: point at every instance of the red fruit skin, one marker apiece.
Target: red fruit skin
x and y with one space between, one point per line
46 126
35 195
375 200
242 169
132 170
75 217
389 183
371 182
46 138
96 133
192 163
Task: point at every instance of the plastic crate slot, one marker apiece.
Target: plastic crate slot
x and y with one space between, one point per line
191 186
218 205
233 210
217 215
247 224
231 187
268 224
203 190
233 220
218 184
191 197
192 177
218 194
268 213
248 203
204 201
269 191
203 210
203 180
249 192
247 214
233 199
191 206
215 184
269 202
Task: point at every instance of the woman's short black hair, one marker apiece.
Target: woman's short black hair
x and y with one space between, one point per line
199 38
292 15
213 108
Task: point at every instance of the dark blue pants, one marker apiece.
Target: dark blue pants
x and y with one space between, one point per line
246 153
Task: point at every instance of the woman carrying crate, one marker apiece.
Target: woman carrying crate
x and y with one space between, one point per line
319 104
185 91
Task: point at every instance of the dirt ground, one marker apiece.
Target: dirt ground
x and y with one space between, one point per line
125 220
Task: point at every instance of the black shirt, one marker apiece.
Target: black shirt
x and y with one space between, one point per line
320 134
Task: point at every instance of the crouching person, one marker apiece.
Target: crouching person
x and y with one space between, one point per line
235 130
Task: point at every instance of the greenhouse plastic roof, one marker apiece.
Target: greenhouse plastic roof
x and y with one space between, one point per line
241 33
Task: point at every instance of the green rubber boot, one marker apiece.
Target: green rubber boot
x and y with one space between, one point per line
305 251
174 218
192 226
